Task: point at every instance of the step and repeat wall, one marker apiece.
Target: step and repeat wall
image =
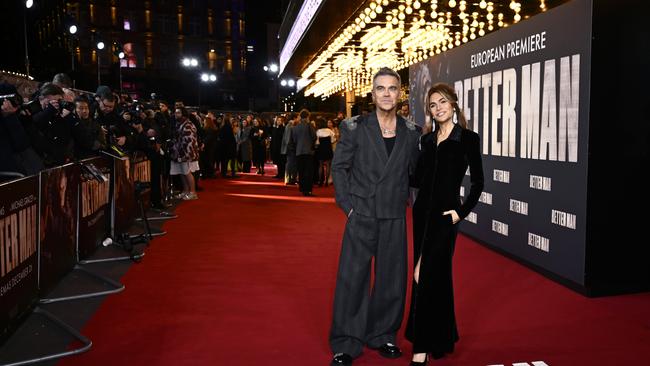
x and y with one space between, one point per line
525 91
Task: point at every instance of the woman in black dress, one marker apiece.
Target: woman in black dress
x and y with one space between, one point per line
443 161
324 153
258 141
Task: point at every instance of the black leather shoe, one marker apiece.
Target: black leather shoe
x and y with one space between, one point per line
389 350
341 359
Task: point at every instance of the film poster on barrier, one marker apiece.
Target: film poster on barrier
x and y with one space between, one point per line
141 173
94 207
124 196
18 243
525 90
58 231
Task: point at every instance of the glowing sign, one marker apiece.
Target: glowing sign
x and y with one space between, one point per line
300 25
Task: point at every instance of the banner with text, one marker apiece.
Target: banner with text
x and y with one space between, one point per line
525 90
18 243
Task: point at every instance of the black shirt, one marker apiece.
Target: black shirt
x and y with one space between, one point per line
390 143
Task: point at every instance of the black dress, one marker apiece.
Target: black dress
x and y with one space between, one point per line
324 149
440 170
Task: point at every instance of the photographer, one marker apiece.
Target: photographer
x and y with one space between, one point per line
88 135
13 139
52 133
104 109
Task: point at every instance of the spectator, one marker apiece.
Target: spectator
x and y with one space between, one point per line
278 158
324 151
209 151
186 153
258 142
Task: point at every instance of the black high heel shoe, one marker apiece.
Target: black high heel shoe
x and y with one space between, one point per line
423 363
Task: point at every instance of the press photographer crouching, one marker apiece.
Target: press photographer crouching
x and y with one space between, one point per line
50 130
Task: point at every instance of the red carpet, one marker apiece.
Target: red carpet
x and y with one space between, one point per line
246 276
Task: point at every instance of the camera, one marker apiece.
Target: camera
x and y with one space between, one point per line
14 99
66 105
32 107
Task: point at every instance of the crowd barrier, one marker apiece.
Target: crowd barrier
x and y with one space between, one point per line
53 221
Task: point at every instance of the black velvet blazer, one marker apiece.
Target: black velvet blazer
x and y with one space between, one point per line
439 174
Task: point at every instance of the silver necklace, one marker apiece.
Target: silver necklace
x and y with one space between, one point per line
385 130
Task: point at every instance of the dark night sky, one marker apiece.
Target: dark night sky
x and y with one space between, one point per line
12 57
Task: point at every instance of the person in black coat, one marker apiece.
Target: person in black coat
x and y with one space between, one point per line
276 146
303 141
258 142
209 152
13 138
52 132
371 168
88 135
445 155
227 147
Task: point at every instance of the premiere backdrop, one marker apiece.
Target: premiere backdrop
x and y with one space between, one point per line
525 90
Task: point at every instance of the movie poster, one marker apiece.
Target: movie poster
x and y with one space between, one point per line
94 206
124 197
18 244
58 231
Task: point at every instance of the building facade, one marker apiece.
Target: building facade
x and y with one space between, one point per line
155 36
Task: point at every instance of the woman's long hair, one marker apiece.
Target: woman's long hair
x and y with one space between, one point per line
450 94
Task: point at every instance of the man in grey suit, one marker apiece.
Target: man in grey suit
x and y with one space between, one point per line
371 170
290 156
303 141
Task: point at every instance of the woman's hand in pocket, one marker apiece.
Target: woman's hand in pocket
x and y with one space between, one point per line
454 216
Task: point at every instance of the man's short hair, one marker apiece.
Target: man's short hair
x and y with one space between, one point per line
102 91
62 80
304 114
108 97
385 71
81 99
50 89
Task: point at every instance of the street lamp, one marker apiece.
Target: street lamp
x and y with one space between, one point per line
119 52
190 62
206 78
100 45
28 5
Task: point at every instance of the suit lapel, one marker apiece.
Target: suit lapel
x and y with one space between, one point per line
375 138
